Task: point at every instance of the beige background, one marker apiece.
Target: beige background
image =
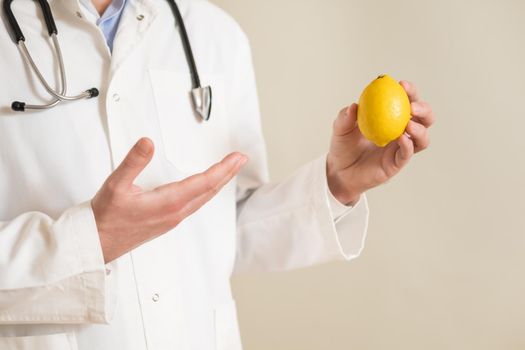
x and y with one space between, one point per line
444 266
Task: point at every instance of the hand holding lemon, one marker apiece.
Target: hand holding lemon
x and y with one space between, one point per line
372 142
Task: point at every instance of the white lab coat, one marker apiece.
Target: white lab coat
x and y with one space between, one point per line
173 292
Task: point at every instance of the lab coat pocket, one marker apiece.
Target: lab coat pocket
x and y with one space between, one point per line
190 144
60 341
227 335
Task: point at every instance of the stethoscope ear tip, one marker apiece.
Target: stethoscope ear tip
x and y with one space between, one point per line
18 106
93 92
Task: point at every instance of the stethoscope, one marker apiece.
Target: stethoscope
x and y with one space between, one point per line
201 96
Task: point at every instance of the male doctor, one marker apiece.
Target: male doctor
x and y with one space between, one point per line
108 242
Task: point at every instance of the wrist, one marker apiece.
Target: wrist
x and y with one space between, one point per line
343 196
339 186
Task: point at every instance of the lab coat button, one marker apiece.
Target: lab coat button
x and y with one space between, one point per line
155 297
116 97
140 17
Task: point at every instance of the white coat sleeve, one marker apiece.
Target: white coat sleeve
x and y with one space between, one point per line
53 271
289 224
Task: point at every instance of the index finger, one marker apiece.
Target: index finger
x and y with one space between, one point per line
211 180
411 90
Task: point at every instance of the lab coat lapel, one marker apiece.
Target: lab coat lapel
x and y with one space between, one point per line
136 20
72 5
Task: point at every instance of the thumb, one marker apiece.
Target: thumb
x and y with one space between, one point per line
135 161
345 122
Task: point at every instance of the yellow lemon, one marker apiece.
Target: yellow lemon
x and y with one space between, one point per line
384 111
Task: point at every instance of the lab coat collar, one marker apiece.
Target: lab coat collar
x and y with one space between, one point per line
74 5
134 23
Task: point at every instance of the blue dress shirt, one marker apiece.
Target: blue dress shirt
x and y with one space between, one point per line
110 19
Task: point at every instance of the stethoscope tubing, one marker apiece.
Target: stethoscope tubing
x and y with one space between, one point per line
60 96
20 42
201 96
195 79
13 23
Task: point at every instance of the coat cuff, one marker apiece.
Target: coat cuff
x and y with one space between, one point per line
98 278
345 226
337 208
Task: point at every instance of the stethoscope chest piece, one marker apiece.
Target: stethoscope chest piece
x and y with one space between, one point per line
202 98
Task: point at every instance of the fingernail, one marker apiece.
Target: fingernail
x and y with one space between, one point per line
143 146
243 159
236 159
